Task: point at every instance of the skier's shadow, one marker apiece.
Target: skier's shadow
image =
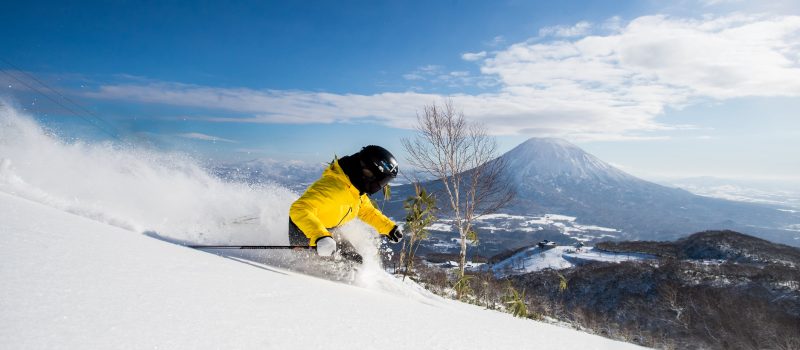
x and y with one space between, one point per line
239 255
301 262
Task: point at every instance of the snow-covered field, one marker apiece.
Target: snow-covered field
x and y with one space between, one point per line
78 270
559 257
565 224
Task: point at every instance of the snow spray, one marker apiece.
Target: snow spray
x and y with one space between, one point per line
163 194
137 189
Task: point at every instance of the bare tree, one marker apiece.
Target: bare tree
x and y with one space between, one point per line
463 157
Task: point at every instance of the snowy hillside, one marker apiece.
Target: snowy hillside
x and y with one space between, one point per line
78 271
75 283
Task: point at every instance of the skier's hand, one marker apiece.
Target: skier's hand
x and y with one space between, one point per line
326 246
395 235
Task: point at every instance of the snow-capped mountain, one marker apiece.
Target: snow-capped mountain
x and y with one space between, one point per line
555 176
544 159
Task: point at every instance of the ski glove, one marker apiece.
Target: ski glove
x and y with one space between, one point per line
326 246
395 235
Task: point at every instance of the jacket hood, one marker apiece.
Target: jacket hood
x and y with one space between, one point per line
350 167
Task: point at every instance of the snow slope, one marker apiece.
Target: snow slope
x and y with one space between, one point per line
70 282
80 268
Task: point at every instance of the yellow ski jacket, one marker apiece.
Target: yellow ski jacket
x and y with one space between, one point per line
332 201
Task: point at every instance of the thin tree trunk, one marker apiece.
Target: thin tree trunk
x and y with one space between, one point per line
402 256
462 262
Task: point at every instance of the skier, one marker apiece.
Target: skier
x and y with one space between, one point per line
340 195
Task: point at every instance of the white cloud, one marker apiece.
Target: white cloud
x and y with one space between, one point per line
413 76
613 24
554 113
610 86
431 68
718 2
275 106
580 28
424 73
204 137
469 56
496 41
656 59
437 76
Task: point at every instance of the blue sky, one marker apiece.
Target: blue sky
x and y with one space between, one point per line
677 88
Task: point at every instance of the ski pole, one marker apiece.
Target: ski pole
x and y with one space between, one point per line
249 246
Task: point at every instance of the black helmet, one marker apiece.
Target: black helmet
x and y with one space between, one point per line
378 166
